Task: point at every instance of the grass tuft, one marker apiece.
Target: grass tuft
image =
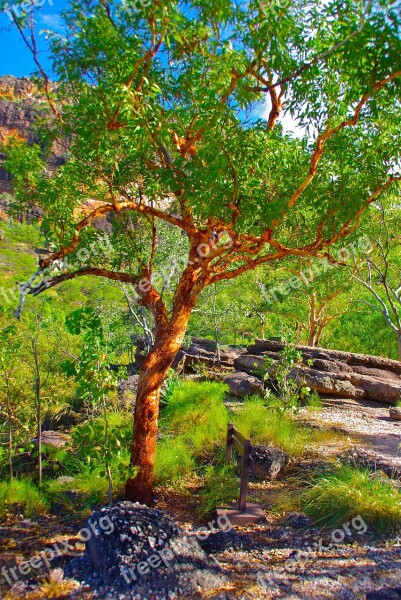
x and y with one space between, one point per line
265 426
22 496
332 499
220 488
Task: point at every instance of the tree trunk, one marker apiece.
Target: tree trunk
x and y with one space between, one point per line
152 375
38 386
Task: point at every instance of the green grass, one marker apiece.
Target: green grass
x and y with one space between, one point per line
196 412
220 488
22 496
194 425
332 499
174 461
264 425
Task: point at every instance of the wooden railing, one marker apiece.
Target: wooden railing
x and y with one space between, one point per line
236 440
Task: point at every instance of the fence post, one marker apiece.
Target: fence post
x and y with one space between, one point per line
244 475
230 435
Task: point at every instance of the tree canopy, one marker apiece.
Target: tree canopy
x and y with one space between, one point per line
160 108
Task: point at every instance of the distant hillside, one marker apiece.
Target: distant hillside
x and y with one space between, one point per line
22 104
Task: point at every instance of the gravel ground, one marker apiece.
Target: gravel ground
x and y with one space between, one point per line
268 560
369 423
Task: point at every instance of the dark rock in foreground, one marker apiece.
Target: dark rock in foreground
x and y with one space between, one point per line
142 551
385 594
298 520
268 462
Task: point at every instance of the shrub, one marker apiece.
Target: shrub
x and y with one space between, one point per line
24 496
220 488
334 498
171 383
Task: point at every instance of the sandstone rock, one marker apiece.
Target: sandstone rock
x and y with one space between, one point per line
268 462
332 372
250 363
55 439
242 384
372 388
378 362
395 413
200 351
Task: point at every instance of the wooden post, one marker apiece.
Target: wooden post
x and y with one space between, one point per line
230 435
244 475
241 513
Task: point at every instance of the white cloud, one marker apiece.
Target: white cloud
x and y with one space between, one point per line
52 21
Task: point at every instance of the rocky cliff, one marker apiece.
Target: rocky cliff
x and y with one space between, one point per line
22 105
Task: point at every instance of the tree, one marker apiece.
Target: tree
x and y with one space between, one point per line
95 381
159 106
380 274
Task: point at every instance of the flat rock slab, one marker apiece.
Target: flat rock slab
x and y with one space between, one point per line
368 423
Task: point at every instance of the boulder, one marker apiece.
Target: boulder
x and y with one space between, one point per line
298 520
136 548
250 363
395 413
54 439
242 384
268 462
199 351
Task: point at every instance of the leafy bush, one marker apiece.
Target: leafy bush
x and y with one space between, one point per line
22 496
171 383
286 392
332 499
220 488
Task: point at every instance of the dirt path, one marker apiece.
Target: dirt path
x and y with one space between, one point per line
369 424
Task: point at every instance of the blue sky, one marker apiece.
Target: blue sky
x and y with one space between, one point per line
15 58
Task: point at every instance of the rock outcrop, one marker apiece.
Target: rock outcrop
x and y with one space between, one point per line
331 372
199 352
22 105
